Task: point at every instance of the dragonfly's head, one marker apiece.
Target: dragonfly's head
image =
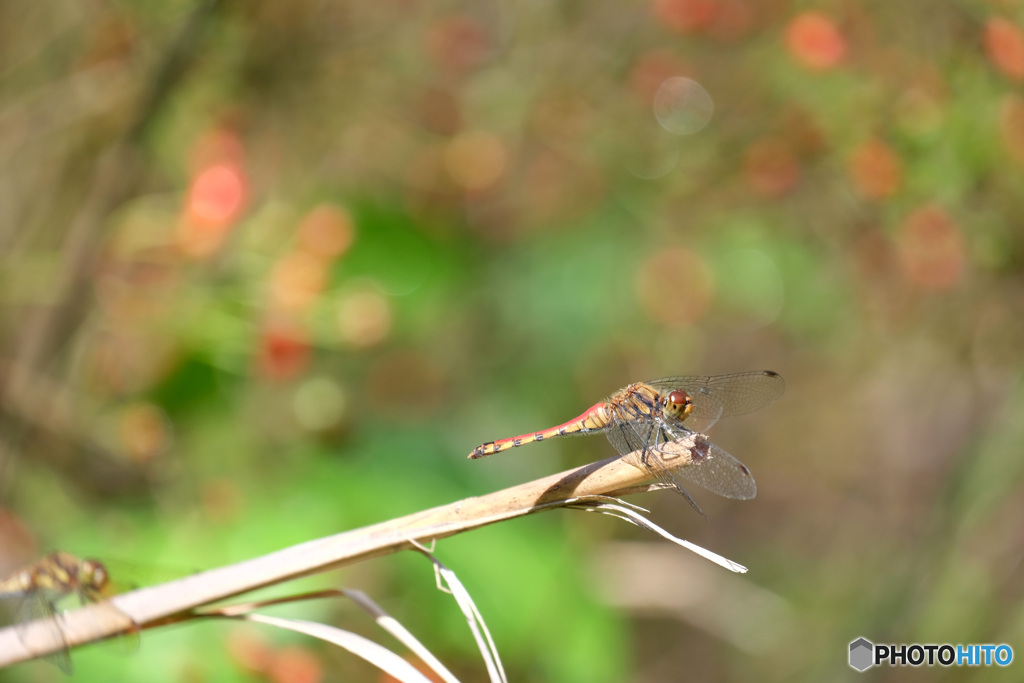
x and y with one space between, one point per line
677 404
93 574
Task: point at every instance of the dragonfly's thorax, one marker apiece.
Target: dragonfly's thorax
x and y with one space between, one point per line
58 572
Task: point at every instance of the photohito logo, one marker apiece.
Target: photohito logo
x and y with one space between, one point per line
864 654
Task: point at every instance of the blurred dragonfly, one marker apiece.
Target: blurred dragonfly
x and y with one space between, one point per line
41 585
641 418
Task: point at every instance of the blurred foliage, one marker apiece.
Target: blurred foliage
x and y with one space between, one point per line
270 270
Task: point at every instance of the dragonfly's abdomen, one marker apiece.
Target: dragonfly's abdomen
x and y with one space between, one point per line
593 420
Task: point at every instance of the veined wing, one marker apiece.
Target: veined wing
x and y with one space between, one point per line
640 438
717 396
39 605
712 468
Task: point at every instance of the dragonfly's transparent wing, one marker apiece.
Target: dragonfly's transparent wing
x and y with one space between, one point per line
715 470
716 396
711 467
640 438
36 605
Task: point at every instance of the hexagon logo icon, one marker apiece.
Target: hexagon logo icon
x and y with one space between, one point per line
861 654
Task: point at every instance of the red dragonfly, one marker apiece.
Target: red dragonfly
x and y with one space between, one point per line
642 416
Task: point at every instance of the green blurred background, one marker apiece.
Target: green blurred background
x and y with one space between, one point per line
269 271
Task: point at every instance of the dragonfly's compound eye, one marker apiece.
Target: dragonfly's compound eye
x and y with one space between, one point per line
678 404
94 574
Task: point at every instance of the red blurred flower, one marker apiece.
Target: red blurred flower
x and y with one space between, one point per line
685 16
458 44
931 249
876 170
218 193
283 352
652 69
733 20
771 167
1004 42
815 41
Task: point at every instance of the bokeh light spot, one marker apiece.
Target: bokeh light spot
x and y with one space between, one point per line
876 170
364 318
296 281
931 249
216 197
682 105
326 232
675 286
145 431
319 404
1004 42
217 194
475 160
814 40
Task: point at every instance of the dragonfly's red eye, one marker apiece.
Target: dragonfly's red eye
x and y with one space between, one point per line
678 404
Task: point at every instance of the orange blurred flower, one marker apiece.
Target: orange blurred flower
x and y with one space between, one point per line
458 44
1011 126
249 649
675 286
931 250
876 170
296 281
771 168
294 664
815 41
326 232
685 16
1004 42
475 160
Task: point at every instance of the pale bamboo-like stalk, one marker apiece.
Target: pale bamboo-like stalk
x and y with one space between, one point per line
168 602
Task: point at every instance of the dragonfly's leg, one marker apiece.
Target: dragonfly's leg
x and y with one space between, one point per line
648 446
663 437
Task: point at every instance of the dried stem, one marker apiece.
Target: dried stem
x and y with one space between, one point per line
172 601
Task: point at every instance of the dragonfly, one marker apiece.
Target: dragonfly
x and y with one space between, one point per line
641 418
45 582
